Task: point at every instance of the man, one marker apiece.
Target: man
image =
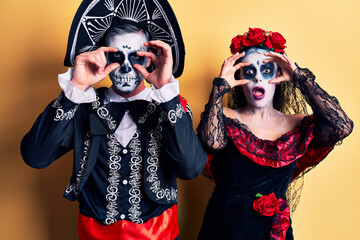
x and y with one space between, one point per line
130 143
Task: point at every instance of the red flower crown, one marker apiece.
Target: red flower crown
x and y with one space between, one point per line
258 37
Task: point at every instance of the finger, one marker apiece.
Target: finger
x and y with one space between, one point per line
240 65
156 44
273 54
277 80
241 82
111 68
102 58
91 58
142 70
287 58
268 60
107 49
150 55
233 57
99 61
160 46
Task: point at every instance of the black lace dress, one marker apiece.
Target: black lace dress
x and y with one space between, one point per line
252 175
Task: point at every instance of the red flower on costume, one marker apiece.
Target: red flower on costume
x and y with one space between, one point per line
267 205
183 102
258 37
279 212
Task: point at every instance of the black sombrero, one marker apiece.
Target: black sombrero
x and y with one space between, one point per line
94 17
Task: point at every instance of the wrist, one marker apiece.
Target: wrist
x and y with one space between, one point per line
77 84
222 85
302 75
161 84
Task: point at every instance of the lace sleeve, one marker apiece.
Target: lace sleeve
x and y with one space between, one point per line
333 124
211 128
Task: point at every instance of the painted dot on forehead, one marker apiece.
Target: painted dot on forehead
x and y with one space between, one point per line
126 46
258 62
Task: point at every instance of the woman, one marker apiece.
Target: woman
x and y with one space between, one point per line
265 140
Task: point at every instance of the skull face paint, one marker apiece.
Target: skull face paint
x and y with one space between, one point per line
258 92
125 78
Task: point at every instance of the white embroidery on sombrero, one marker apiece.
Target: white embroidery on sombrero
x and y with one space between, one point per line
97 26
109 4
90 27
131 10
156 14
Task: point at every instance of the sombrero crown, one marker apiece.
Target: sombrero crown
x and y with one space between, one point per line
94 17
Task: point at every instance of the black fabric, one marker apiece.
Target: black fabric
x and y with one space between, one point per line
230 214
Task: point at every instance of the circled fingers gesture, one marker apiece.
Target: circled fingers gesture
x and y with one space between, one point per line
91 67
162 60
284 62
228 70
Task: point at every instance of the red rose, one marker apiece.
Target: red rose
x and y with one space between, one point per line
277 41
236 44
267 205
255 36
268 43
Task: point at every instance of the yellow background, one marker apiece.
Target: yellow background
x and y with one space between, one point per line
321 35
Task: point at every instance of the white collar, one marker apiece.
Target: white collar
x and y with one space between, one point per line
112 96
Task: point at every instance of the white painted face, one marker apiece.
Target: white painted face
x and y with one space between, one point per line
258 92
125 78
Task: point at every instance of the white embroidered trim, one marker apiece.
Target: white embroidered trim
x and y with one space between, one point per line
56 103
135 179
150 109
83 162
188 110
114 175
153 161
173 115
96 103
60 113
104 114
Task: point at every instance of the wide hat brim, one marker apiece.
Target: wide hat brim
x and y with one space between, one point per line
94 17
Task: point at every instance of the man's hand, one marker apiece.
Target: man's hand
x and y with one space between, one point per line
90 67
163 62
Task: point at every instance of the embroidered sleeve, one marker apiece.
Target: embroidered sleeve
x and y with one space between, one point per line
187 156
211 128
51 135
333 124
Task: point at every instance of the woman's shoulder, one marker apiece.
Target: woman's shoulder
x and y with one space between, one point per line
295 119
230 113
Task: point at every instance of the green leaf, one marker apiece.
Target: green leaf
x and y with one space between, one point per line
258 195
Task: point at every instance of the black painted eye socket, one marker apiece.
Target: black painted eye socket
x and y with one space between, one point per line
114 57
249 72
266 71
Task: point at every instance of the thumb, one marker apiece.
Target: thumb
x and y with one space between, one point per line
141 70
241 82
111 68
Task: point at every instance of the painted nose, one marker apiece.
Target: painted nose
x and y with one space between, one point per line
125 68
256 79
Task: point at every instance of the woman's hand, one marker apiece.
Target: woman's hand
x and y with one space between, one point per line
90 67
284 62
228 70
163 62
